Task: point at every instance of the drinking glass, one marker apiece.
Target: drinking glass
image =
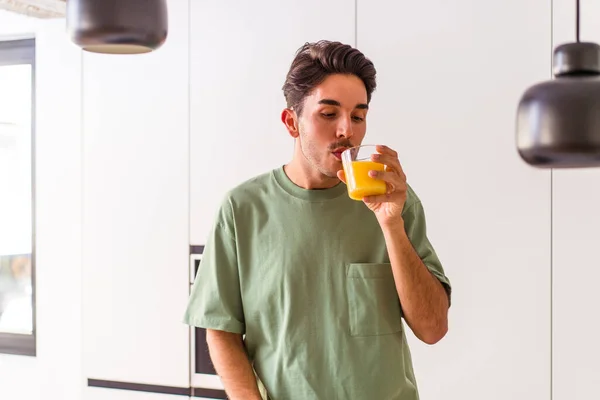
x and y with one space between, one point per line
357 163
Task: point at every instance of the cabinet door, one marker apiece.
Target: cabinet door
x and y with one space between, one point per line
450 75
240 54
136 235
576 239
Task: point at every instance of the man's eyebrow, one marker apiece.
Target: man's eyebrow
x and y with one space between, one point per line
330 102
336 103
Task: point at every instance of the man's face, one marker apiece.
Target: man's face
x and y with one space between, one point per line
333 118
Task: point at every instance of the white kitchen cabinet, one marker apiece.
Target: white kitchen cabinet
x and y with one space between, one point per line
135 219
450 75
240 56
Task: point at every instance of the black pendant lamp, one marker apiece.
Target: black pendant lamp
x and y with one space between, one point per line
117 26
558 121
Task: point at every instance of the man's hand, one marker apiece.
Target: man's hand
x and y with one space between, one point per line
387 207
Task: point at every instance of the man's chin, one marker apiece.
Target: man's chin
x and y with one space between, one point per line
331 173
330 169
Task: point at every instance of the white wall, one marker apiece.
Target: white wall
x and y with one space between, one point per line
16 26
576 235
166 134
450 76
56 371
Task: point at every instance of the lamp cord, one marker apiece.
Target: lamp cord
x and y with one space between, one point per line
577 19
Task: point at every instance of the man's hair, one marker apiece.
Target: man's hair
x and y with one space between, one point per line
316 61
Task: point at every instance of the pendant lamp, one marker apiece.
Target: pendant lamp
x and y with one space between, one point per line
117 26
558 121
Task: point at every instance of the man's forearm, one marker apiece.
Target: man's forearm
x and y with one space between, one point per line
423 297
231 362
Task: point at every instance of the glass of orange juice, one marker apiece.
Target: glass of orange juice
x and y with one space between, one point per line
357 163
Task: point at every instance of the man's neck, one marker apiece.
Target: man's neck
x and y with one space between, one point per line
307 177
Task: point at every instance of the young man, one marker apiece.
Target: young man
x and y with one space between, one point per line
305 288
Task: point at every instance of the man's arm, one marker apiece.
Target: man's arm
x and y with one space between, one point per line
424 300
229 357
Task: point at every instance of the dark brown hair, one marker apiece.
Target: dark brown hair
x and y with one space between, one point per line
315 61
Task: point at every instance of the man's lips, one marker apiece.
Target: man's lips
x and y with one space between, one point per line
338 152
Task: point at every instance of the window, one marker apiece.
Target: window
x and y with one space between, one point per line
17 217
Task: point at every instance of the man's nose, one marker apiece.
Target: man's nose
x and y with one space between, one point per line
345 128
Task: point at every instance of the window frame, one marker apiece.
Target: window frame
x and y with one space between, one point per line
15 52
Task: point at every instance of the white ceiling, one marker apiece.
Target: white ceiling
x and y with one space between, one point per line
35 8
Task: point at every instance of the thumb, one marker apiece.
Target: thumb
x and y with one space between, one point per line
341 175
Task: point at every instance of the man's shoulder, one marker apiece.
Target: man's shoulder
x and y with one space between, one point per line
411 197
251 187
244 196
255 191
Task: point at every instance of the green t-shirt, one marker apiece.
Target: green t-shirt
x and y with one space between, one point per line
305 276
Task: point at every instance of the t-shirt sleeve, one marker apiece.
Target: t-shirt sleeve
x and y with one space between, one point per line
215 300
416 229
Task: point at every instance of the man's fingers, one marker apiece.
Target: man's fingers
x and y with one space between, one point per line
383 198
386 150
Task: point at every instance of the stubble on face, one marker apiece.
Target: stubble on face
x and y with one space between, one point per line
318 157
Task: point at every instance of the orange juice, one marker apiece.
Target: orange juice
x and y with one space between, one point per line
359 182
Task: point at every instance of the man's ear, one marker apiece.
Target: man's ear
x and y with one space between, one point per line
290 120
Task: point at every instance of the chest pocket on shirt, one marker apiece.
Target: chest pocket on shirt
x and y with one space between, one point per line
373 304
